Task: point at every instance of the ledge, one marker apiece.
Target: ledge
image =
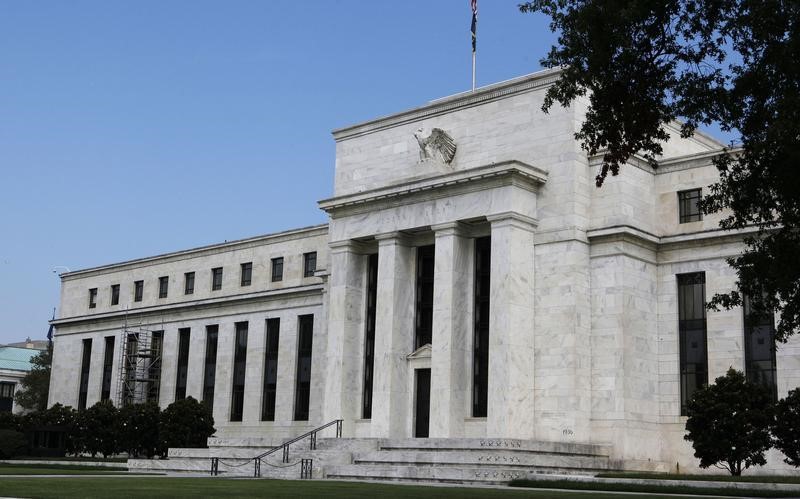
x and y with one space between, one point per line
661 241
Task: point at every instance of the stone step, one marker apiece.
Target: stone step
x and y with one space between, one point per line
483 444
439 474
491 458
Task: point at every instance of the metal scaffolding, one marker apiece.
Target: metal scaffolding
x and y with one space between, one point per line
139 376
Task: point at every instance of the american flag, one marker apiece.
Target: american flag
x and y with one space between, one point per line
474 29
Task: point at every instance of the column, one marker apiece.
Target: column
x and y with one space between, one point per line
223 376
345 333
451 331
197 361
510 403
254 370
394 335
169 365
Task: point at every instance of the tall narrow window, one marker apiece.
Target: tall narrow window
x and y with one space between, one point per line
210 370
93 298
130 361
188 283
759 348
154 370
270 370
216 279
108 363
277 269
480 352
247 273
239 364
369 335
692 334
6 396
689 206
424 315
138 290
309 264
163 286
84 382
302 395
183 363
115 294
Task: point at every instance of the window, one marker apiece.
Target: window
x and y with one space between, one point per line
210 371
108 363
689 207
480 347
163 286
309 264
138 290
83 386
154 370
277 269
188 283
424 315
692 334
183 363
115 294
369 335
303 378
759 348
247 273
216 279
270 370
93 298
6 396
239 365
130 361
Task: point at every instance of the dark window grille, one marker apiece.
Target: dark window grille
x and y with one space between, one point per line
154 371
247 273
138 290
277 269
108 363
183 363
759 348
210 369
115 294
163 286
692 334
216 279
689 206
132 346
369 335
239 365
309 264
303 378
6 396
270 370
480 356
84 381
93 298
424 309
188 283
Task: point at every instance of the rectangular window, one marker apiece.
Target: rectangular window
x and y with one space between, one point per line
239 364
138 290
93 298
183 363
163 286
130 361
270 370
424 308
115 294
305 333
6 396
309 264
108 363
692 334
154 369
188 283
216 279
369 335
84 382
689 207
759 348
277 269
480 352
210 370
247 273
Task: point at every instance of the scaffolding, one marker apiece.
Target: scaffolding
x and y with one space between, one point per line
139 376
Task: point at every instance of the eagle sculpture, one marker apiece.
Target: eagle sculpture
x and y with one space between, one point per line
437 145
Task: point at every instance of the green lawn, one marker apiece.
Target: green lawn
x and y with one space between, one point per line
710 478
659 489
57 469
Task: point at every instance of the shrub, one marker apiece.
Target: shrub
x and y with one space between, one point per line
97 426
729 423
12 443
64 417
185 423
137 429
786 427
10 421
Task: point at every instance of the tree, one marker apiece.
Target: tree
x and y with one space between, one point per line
728 423
137 429
35 386
786 427
97 428
732 62
185 423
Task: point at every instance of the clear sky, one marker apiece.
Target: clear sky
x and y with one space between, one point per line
129 129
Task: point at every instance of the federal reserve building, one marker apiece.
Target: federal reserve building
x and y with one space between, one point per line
475 309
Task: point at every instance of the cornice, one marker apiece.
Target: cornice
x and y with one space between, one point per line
662 243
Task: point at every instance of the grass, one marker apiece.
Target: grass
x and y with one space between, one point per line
74 458
663 489
57 469
713 478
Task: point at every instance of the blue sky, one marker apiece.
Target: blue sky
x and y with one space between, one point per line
129 129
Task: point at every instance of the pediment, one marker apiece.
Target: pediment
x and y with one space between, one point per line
423 352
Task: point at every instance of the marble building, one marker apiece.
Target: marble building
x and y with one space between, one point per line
471 282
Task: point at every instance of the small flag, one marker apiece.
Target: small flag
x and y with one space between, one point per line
50 329
474 28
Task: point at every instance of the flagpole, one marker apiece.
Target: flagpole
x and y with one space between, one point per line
473 70
474 31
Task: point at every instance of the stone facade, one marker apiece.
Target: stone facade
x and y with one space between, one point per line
583 318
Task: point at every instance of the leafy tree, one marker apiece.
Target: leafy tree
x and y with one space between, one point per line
35 386
64 417
10 421
97 429
185 423
729 423
732 62
12 443
786 427
137 429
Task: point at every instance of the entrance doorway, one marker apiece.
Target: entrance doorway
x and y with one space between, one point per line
423 412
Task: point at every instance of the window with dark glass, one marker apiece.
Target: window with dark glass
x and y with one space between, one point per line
689 205
163 286
302 395
130 360
277 269
309 264
424 307
210 370
270 370
138 290
692 334
759 347
480 352
183 363
6 396
115 294
108 363
239 364
369 335
84 381
216 279
188 283
154 370
93 298
247 273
